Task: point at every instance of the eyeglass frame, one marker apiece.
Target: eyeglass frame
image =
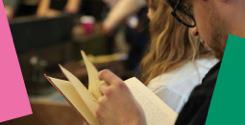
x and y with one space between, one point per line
176 8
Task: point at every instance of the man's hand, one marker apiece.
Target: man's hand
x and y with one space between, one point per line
117 106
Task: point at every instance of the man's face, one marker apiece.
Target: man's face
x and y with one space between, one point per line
210 25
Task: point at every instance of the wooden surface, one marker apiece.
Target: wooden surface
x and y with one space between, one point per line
49 112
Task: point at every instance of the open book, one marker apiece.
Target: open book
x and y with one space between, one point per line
85 100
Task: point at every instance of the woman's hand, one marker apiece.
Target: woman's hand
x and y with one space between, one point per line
117 106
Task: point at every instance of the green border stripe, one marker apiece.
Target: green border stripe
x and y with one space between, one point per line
228 102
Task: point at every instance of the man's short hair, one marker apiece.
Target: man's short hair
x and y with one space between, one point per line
172 3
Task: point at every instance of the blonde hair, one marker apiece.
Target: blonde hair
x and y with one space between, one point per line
171 44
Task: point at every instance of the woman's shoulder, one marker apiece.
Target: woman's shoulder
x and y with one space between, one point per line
175 86
191 73
206 62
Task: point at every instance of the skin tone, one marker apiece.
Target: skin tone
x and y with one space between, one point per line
108 112
117 16
213 17
150 13
215 24
9 12
71 7
208 23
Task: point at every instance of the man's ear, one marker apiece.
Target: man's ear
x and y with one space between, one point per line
194 31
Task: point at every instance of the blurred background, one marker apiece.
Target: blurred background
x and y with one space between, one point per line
51 32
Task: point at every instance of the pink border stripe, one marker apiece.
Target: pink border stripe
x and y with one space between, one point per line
14 102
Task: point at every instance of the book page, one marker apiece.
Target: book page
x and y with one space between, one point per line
94 82
81 90
156 111
71 95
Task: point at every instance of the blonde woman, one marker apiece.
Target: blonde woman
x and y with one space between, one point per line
175 62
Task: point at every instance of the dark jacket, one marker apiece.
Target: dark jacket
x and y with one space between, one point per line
196 109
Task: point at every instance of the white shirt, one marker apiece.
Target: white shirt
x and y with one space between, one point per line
174 87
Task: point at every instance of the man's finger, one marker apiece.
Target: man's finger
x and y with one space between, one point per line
109 77
103 88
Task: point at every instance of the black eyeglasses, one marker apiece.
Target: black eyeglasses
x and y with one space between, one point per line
183 14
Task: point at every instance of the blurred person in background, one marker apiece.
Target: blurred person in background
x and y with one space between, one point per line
133 13
52 8
176 61
10 7
93 8
121 10
27 7
16 8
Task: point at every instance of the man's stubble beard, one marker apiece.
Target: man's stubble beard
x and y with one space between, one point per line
218 35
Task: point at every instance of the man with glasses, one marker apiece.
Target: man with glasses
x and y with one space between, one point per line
213 20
